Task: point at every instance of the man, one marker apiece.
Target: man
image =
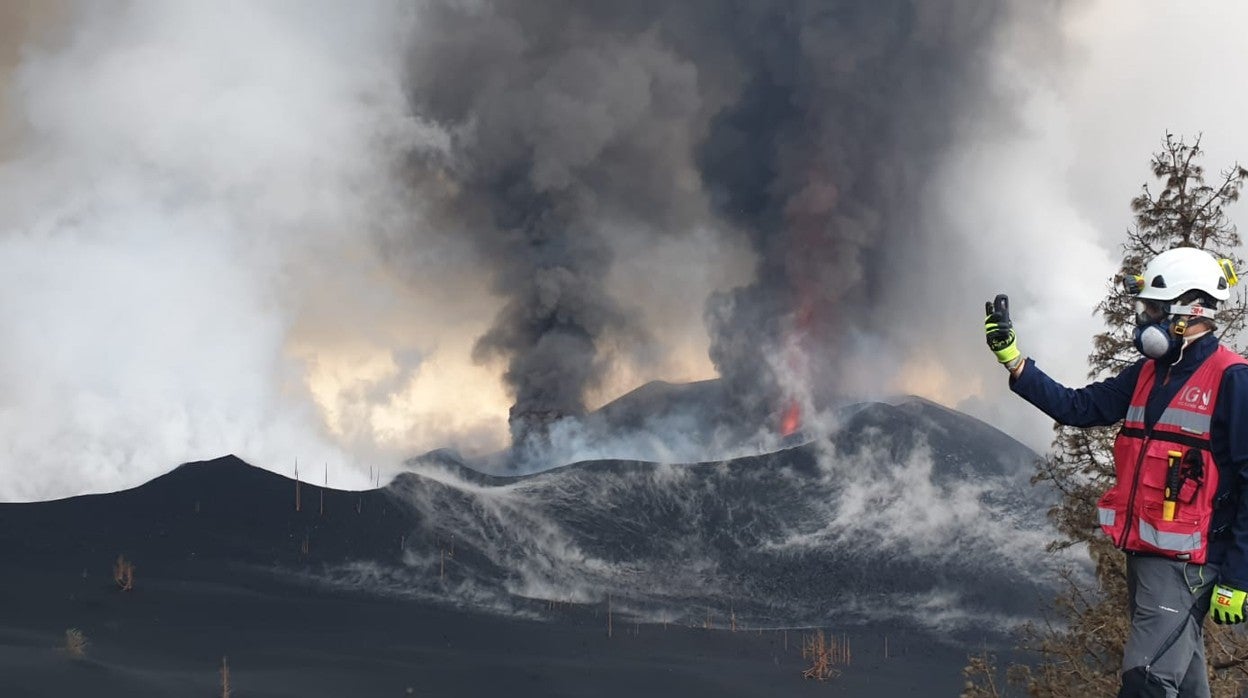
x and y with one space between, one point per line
1181 464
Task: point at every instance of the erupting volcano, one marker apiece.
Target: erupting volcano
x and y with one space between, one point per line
308 230
804 130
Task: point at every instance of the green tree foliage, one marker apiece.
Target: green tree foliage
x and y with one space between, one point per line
1080 652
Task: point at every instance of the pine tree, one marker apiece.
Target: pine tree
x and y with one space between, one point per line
1081 656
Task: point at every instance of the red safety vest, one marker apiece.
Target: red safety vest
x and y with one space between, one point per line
1133 511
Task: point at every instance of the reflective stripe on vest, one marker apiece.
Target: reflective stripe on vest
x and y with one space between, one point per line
1178 542
1105 517
1184 420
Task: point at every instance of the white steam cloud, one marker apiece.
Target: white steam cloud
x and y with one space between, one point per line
188 175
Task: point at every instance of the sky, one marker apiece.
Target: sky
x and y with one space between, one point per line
224 227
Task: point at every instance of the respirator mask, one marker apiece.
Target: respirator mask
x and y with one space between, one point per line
1159 327
1158 333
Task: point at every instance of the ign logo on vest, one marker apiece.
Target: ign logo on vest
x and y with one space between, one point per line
1196 396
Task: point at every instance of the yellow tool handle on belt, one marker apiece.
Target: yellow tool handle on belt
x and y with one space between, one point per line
1173 483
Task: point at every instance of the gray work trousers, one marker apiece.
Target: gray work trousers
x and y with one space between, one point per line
1165 651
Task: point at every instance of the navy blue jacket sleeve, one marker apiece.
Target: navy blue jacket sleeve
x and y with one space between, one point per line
1095 405
1231 419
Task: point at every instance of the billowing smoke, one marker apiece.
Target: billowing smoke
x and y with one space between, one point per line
208 249
170 207
823 159
810 127
571 123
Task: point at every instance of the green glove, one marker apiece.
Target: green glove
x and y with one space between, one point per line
1000 332
1227 606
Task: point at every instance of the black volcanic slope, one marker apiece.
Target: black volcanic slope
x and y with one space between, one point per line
935 502
606 578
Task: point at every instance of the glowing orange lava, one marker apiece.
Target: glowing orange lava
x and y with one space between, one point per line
791 420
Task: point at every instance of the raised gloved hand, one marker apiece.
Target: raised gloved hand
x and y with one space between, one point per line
1227 605
1000 332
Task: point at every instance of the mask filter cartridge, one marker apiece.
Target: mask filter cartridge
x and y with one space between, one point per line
1153 341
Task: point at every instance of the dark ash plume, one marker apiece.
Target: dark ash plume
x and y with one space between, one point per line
569 121
810 125
822 161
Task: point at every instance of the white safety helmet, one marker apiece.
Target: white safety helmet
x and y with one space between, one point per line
1174 273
